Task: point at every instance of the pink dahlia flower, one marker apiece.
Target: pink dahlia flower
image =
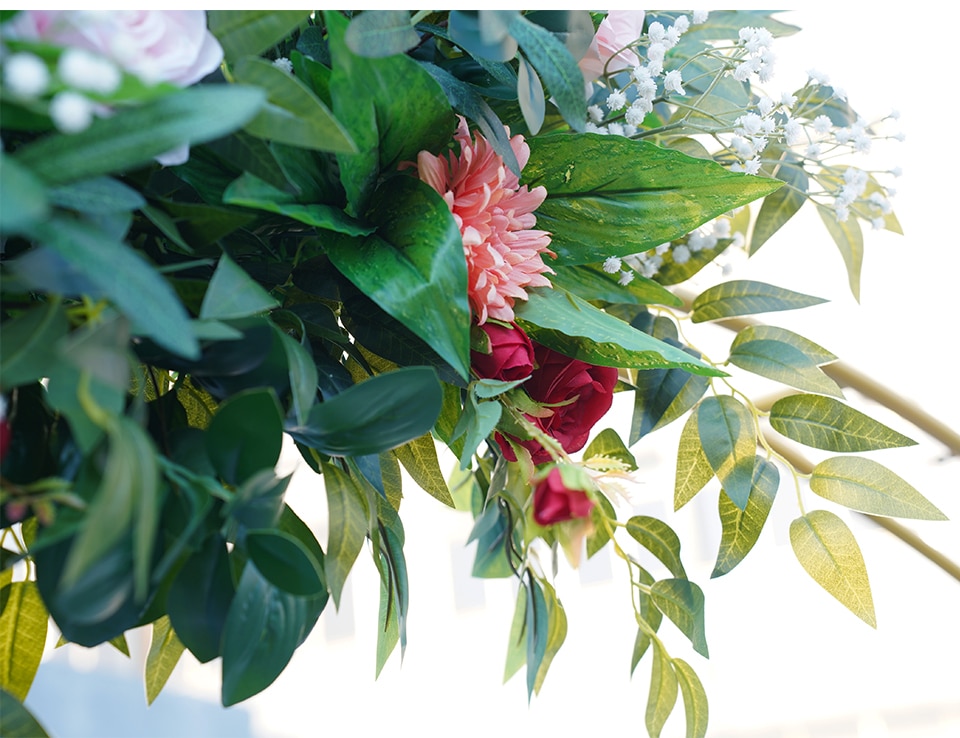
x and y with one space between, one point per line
495 215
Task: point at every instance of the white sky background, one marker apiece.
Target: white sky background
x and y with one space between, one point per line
786 659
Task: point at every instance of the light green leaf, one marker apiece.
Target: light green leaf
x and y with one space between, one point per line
817 354
783 362
829 553
682 602
244 32
164 654
23 200
556 634
825 423
745 297
388 630
849 240
530 95
348 527
693 467
419 458
663 691
865 485
562 321
741 528
609 444
728 436
780 206
23 634
232 293
611 196
379 33
516 648
659 539
538 632
694 699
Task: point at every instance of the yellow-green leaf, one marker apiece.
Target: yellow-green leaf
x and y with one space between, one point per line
829 553
23 634
849 240
746 297
741 528
419 458
165 652
865 485
663 691
694 699
828 424
728 435
348 526
693 468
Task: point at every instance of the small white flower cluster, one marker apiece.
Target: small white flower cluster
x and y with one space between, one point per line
614 265
705 238
759 58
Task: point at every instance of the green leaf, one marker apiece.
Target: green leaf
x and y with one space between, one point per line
120 644
28 343
162 658
23 200
659 539
556 634
663 691
264 627
348 527
533 103
611 196
134 136
245 436
817 354
483 33
608 444
379 33
244 32
413 267
693 467
591 283
728 436
849 240
778 207
233 294
694 699
825 423
556 66
16 720
829 553
96 196
741 528
682 602
293 114
302 372
23 634
538 632
378 414
746 297
143 295
865 485
419 458
516 648
783 362
562 321
388 630
285 562
600 535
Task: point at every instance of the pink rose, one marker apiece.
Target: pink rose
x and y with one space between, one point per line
554 502
617 31
510 357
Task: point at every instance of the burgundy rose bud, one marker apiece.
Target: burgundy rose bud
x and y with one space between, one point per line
510 357
555 502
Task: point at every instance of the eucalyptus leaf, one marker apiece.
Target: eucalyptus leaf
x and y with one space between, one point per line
826 423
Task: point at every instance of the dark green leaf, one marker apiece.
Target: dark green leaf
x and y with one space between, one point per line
28 344
16 721
97 195
741 528
379 33
816 353
826 423
23 200
245 435
243 32
746 297
728 436
538 632
659 539
233 294
556 634
483 33
285 562
303 375
682 602
591 283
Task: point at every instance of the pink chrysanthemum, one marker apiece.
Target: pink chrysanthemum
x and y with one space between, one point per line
495 215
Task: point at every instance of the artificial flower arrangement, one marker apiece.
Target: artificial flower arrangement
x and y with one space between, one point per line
380 231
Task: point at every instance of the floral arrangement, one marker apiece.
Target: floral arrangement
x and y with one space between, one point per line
381 231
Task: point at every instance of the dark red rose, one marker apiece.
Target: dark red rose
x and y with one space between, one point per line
554 502
580 394
510 357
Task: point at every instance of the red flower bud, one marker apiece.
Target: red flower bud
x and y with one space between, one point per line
511 355
554 502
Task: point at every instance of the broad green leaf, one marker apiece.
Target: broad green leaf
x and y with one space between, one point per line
741 528
533 103
245 435
816 353
829 553
232 293
778 207
23 634
16 720
783 362
865 485
97 195
694 699
611 196
348 527
369 97
379 33
538 632
682 602
292 114
245 32
23 200
608 444
134 136
556 634
849 240
413 267
693 467
591 283
143 295
825 423
162 658
659 539
663 691
745 297
378 414
251 192
285 562
728 436
419 458
264 627
28 343
562 321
